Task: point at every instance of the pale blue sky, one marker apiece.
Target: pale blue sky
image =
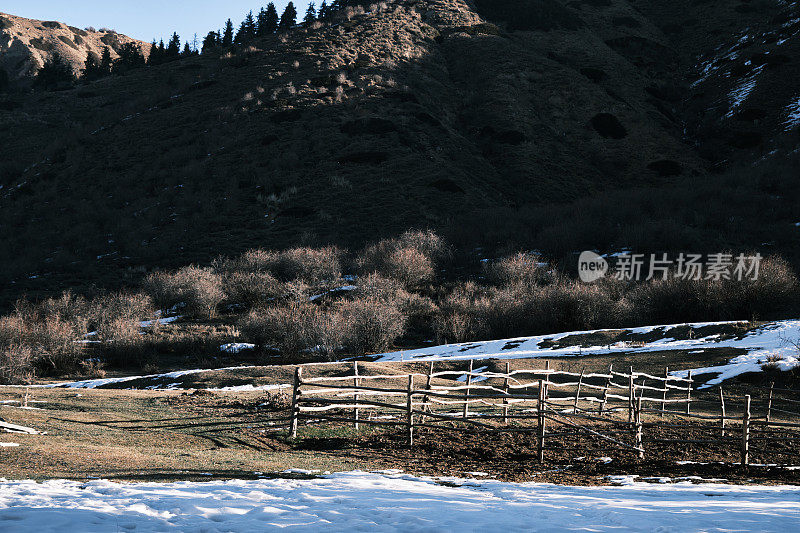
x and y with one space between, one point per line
144 19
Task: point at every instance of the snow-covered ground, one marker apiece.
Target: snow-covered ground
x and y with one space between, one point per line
161 381
771 339
358 501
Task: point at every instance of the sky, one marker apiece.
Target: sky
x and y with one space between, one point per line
144 19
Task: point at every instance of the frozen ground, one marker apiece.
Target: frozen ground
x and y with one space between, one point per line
358 501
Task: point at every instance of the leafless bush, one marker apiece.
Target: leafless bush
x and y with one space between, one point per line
56 344
472 312
370 324
409 258
93 368
294 328
16 364
311 265
199 288
770 294
771 363
524 268
117 319
251 288
426 242
462 315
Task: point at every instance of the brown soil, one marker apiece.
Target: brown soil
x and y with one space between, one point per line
568 459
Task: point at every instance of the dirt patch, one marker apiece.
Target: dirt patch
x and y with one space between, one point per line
512 456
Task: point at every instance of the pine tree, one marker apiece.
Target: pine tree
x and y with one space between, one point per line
187 50
91 68
247 30
152 57
174 47
324 13
55 74
211 41
227 35
270 24
311 15
105 61
289 18
130 57
261 23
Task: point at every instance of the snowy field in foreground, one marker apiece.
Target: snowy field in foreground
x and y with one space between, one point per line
358 501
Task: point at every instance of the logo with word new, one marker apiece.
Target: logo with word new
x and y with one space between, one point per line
591 267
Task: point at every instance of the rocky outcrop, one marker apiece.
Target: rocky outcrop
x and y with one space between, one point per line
26 44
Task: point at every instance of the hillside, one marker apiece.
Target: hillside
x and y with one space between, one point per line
26 45
485 119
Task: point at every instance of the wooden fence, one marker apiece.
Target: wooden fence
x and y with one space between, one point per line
606 406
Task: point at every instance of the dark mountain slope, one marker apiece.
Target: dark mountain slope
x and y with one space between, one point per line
427 113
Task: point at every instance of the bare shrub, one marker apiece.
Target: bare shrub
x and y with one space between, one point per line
472 312
199 288
163 288
370 324
117 319
93 368
409 258
426 242
251 288
51 338
418 309
673 300
769 295
462 315
311 265
16 364
55 342
294 328
771 363
524 268
67 307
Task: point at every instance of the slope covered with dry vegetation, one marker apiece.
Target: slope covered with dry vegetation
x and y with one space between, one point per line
555 125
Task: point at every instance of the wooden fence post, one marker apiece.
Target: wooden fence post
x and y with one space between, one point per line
769 402
546 376
689 394
505 389
355 396
639 431
746 432
409 410
605 389
578 392
664 395
298 376
427 399
722 411
466 392
631 397
541 409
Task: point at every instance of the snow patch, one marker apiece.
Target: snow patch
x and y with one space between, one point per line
770 339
